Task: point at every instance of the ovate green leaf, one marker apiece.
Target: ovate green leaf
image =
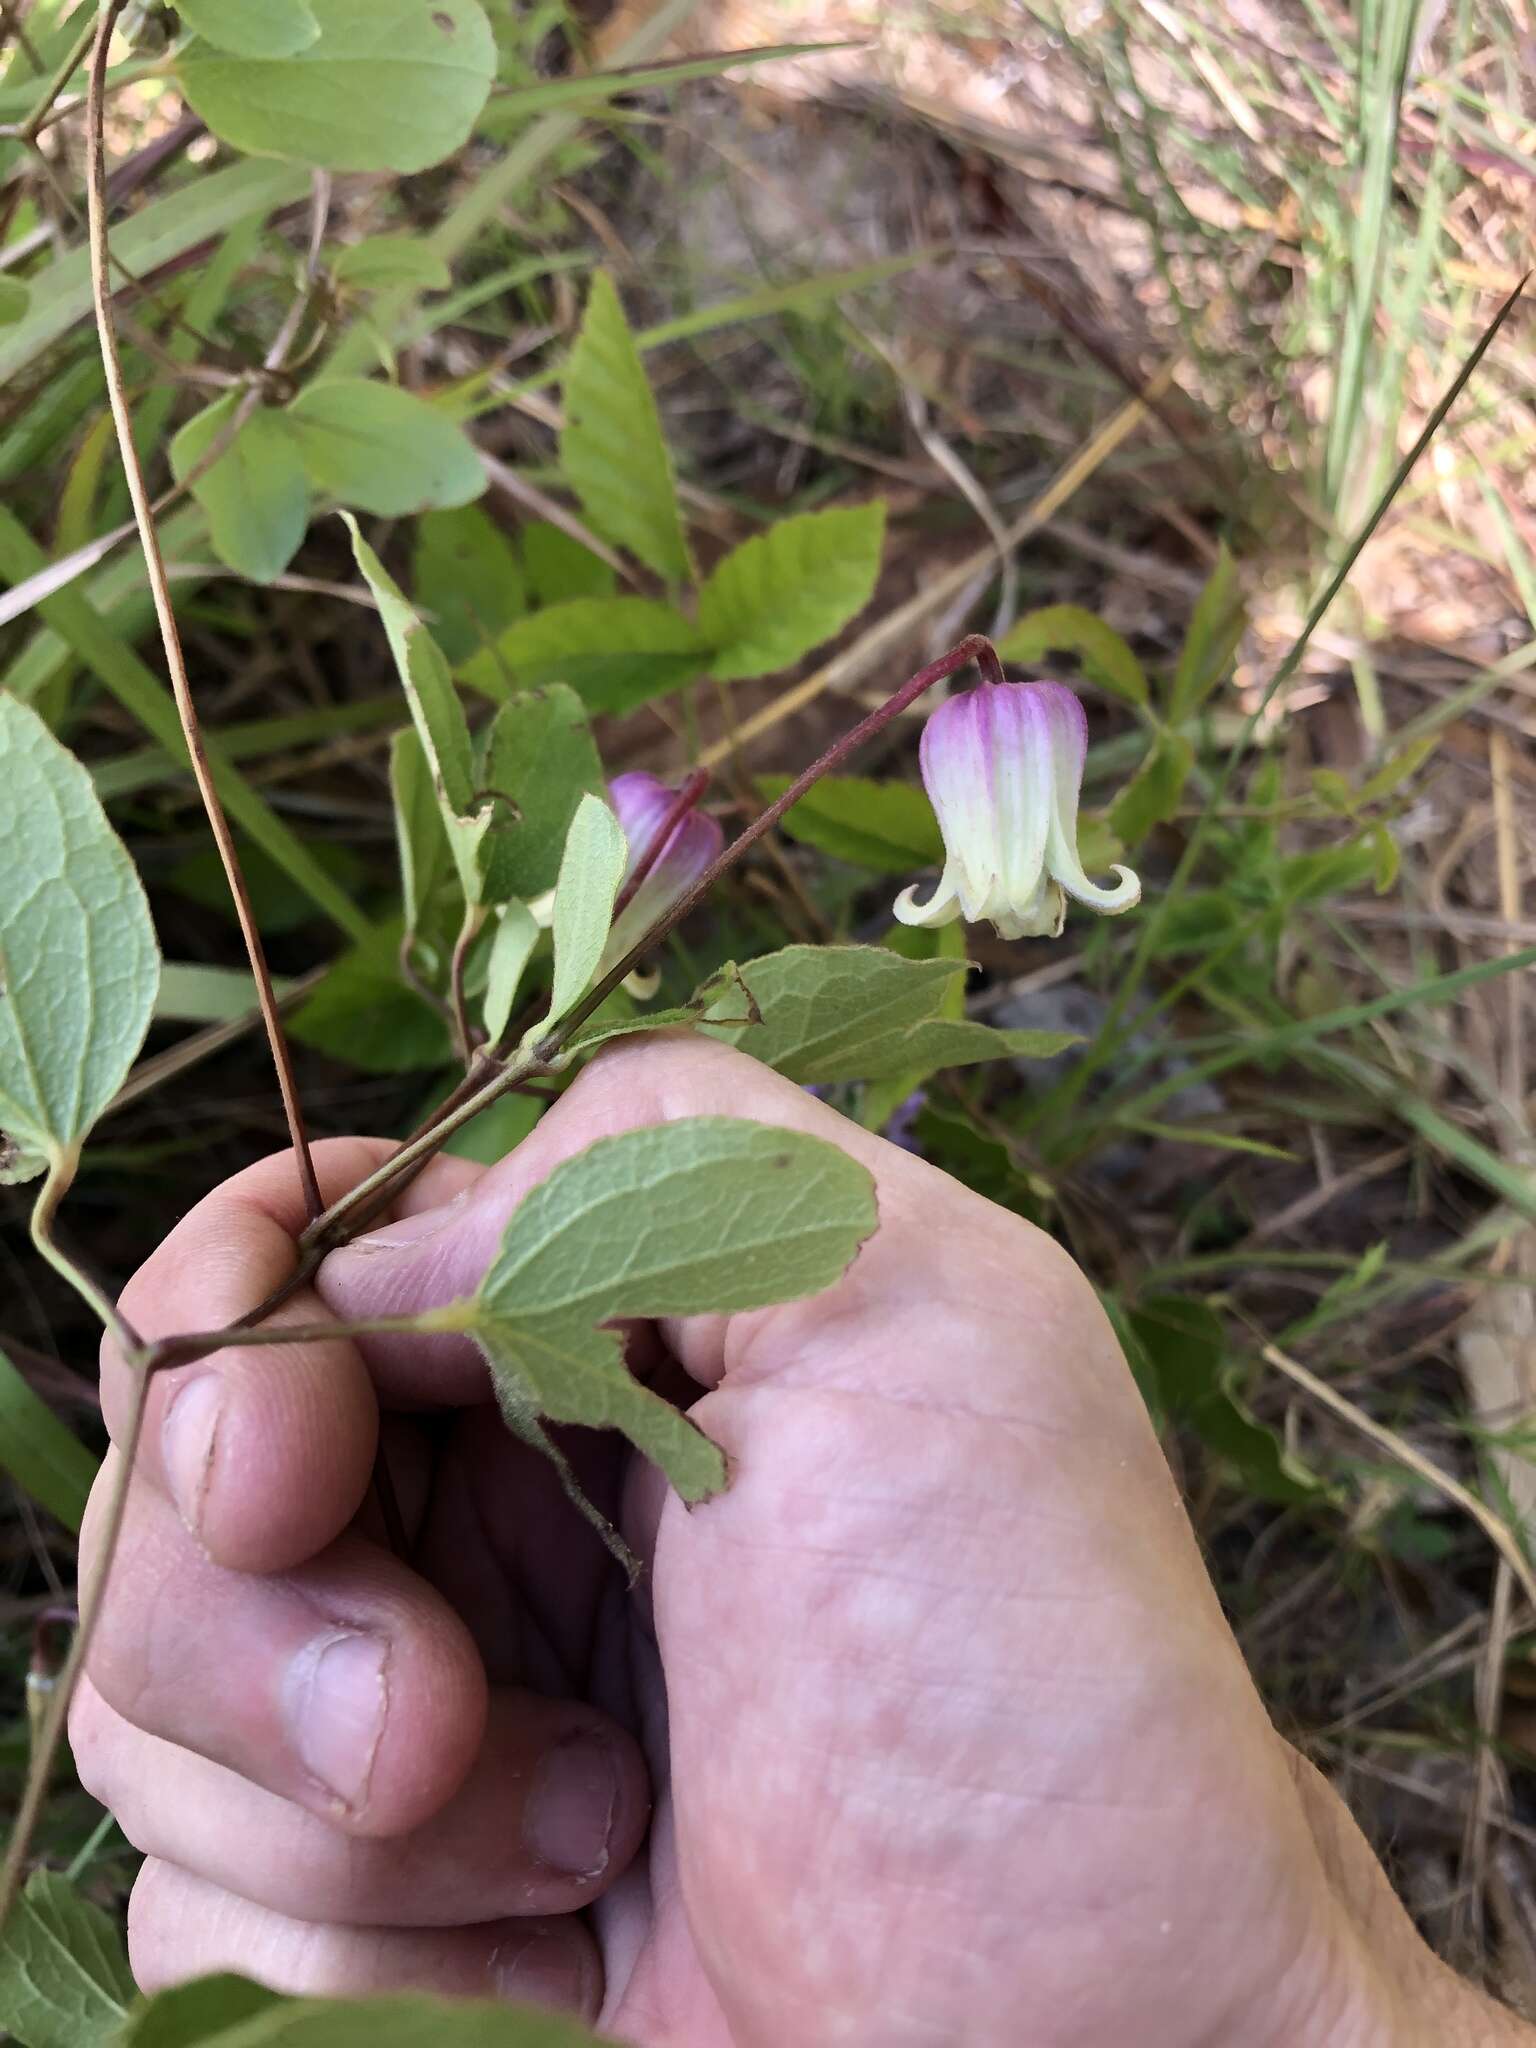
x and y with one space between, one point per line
540 760
612 448
465 574
785 591
385 260
1066 628
78 961
64 1976
615 652
512 944
708 1214
252 28
255 495
386 85
861 1013
591 869
887 826
379 449
42 1456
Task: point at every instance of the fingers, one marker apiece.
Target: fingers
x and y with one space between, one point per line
180 1926
346 1684
551 1814
266 1452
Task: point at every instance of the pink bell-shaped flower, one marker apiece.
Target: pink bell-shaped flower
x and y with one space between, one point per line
641 803
1003 765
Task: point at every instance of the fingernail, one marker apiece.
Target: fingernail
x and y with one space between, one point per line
409 1230
188 1439
568 1819
334 1701
554 1965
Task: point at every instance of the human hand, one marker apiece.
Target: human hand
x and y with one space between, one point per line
947 1739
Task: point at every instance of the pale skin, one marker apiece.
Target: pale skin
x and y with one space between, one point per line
961 1751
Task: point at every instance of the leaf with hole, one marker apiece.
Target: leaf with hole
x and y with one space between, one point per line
270 28
787 590
861 1013
64 1976
1101 653
386 85
539 760
79 966
707 1215
378 449
615 652
255 495
887 826
611 447
591 869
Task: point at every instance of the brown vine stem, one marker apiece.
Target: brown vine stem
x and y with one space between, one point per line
542 1057
159 584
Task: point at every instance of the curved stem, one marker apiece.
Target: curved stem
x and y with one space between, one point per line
154 561
61 1174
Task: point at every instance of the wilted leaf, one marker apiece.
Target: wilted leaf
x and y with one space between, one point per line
385 260
539 761
256 495
861 1013
387 85
79 966
591 869
379 449
612 448
615 652
1103 656
711 1214
64 1976
787 590
270 28
466 575
887 826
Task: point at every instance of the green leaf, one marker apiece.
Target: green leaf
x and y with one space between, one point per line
387 85
406 2020
15 298
1217 625
496 1131
379 449
200 2011
512 946
560 568
191 993
1183 1341
385 260
426 861
615 652
79 966
270 28
1153 792
591 869
861 1013
255 495
611 447
1103 656
787 590
887 826
364 1014
466 576
710 1214
540 760
437 714
43 1457
64 1977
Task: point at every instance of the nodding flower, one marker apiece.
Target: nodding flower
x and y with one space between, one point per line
641 804
1003 765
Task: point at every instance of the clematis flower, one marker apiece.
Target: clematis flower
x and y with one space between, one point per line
1003 765
640 803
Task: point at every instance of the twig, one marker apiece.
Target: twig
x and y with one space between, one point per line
165 611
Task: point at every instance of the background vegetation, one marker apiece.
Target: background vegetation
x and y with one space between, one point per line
1102 328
